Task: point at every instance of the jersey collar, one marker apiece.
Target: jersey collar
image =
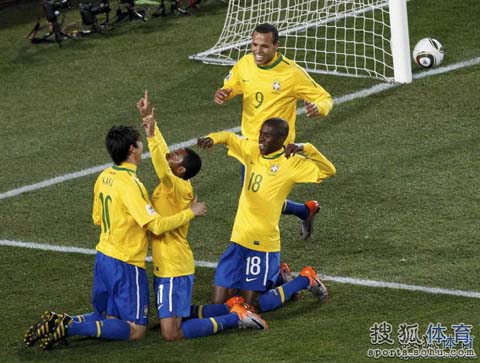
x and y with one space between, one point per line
273 63
126 167
274 155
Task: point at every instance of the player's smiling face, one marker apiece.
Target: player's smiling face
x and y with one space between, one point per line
175 161
263 47
268 142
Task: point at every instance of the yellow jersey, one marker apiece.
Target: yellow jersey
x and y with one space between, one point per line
171 252
272 91
122 209
268 181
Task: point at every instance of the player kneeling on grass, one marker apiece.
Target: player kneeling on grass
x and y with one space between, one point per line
123 211
251 264
173 262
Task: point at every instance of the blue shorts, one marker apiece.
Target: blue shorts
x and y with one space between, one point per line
173 296
245 269
120 289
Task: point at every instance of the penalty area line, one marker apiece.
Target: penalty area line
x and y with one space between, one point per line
338 279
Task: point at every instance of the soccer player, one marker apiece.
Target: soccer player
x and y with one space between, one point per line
271 84
122 209
251 262
173 262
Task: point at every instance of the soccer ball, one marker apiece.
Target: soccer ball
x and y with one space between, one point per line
428 53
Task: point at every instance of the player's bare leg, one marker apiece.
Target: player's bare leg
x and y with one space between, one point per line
170 329
249 296
221 294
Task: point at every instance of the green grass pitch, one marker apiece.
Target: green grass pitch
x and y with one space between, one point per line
404 206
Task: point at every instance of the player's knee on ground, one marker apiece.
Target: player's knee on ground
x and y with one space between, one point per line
170 329
170 335
137 332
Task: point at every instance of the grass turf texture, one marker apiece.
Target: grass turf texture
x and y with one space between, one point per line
404 206
299 332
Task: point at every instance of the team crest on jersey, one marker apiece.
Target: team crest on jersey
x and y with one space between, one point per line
276 86
274 169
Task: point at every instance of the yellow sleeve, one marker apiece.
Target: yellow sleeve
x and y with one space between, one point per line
237 146
158 149
161 225
233 81
314 167
307 89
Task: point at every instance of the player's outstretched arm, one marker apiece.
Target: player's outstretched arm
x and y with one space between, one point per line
198 208
311 109
236 145
292 149
161 224
325 166
143 106
205 142
148 123
158 149
222 95
317 101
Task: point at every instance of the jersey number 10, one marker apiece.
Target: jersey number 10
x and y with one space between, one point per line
105 201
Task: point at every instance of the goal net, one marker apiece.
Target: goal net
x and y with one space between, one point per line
360 38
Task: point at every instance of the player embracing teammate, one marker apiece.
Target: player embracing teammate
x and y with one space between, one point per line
249 276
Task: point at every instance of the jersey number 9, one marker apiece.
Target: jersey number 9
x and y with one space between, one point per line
259 99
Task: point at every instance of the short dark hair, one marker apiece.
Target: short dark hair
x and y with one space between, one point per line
279 126
192 164
118 141
267 28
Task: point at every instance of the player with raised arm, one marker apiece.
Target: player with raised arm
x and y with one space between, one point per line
251 262
173 262
271 84
122 210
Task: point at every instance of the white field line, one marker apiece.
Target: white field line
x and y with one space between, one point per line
386 86
339 279
338 100
85 172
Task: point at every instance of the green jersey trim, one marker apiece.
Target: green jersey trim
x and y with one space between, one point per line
123 169
140 188
276 156
274 64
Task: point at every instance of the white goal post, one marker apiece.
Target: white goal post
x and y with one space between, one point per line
359 38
